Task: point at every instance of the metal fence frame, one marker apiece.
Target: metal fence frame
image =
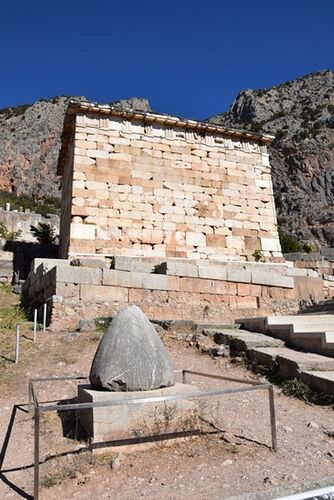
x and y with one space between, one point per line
38 408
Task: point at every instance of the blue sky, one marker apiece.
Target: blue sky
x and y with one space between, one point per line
189 57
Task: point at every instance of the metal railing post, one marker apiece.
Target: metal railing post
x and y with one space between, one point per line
44 317
17 344
272 418
35 324
36 452
184 377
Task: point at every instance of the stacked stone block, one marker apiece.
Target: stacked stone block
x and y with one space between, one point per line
162 190
170 289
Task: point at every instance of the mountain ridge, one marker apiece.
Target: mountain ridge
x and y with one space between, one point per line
300 113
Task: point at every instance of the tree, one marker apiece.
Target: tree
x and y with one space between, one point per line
44 232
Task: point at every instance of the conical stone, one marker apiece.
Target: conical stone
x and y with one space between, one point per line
131 356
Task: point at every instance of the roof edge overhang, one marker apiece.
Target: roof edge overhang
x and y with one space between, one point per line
75 107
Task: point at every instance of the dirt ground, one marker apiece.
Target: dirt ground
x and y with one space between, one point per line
220 463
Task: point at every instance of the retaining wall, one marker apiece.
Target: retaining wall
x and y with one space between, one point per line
165 289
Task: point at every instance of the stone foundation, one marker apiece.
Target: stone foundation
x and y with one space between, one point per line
202 291
132 422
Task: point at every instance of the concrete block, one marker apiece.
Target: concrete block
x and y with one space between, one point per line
78 275
102 293
130 422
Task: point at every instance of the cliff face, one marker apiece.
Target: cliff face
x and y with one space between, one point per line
30 140
29 147
300 113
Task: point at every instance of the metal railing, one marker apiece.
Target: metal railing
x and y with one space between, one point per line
40 408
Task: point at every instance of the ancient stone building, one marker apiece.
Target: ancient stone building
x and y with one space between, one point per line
152 185
168 214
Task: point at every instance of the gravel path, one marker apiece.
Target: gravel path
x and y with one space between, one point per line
217 465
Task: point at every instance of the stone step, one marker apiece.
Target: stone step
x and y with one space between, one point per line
319 380
305 331
262 324
241 341
290 363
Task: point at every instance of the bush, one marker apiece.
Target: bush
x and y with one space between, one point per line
309 248
44 233
9 235
50 205
258 256
289 243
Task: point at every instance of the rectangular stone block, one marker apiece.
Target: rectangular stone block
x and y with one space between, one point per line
270 244
181 268
68 290
83 231
213 271
78 275
102 293
238 273
113 423
272 279
138 264
195 239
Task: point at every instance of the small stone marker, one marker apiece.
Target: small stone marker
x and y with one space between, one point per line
131 356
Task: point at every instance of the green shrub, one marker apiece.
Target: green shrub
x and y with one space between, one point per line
8 235
10 316
289 243
258 256
309 248
44 232
48 205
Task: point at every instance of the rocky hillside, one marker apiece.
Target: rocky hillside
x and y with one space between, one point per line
300 113
30 138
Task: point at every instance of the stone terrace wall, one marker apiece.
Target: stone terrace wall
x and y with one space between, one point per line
205 291
320 264
162 191
21 221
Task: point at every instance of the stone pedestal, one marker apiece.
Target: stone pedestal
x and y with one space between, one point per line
127 424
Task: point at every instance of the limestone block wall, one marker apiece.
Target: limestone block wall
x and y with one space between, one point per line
202 290
320 264
163 190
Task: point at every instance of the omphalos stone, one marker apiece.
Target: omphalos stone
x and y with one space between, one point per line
131 356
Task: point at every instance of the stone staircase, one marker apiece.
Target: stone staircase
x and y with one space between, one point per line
259 349
309 332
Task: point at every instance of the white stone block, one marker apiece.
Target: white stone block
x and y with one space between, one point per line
196 239
82 231
270 245
265 160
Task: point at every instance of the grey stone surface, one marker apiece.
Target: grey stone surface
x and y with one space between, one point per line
320 381
131 356
126 421
137 264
